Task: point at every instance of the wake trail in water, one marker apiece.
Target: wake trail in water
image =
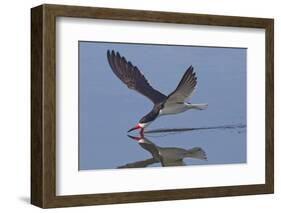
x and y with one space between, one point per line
179 130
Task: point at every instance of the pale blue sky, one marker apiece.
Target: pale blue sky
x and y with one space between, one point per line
108 108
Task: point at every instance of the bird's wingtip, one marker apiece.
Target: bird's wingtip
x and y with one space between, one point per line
110 52
190 70
118 54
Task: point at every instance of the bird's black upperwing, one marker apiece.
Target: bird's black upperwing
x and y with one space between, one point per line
132 77
185 87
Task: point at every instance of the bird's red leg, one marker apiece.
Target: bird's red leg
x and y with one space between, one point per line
142 132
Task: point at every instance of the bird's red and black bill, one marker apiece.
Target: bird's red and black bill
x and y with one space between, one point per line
134 128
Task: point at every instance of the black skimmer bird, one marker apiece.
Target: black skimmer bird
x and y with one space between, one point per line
167 156
174 103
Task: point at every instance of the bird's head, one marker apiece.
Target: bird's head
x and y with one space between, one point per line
145 121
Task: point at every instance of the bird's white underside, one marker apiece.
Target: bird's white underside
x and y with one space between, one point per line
176 108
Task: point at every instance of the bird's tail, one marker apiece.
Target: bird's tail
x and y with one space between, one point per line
197 153
198 106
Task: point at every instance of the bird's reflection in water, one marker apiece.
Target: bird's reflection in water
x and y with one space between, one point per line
166 156
174 156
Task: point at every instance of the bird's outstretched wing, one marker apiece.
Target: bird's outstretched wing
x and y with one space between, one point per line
184 88
132 77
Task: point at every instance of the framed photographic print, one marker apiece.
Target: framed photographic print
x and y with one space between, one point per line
135 106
